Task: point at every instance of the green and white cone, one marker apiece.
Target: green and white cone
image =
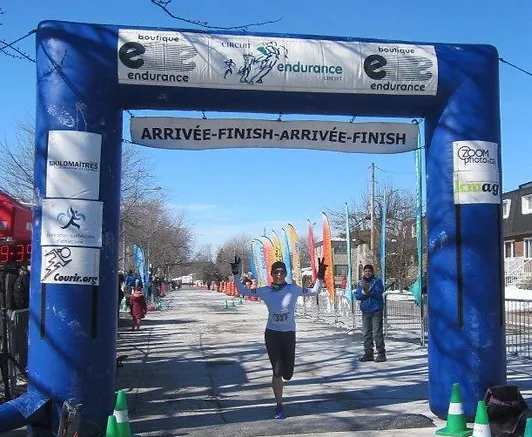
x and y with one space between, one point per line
121 415
112 427
528 428
482 424
456 422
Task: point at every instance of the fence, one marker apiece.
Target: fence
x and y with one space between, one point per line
14 350
404 320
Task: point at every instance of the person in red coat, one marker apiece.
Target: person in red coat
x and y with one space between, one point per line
137 307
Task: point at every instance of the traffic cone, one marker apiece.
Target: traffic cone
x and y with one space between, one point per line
528 428
121 415
482 424
456 422
112 427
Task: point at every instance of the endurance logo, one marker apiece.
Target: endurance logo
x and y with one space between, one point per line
398 69
149 55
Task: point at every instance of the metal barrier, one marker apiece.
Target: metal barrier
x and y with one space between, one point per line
16 355
404 320
518 326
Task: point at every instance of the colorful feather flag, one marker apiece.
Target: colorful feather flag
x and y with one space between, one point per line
260 262
349 284
277 250
295 255
287 259
311 251
328 255
267 247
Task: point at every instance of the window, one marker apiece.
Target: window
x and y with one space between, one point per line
526 204
506 208
340 269
528 247
339 247
509 249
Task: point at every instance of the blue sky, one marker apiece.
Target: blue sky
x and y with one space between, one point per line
221 204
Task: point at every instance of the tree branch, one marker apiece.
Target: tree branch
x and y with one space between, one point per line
163 4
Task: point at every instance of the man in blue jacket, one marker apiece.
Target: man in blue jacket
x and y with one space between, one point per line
369 292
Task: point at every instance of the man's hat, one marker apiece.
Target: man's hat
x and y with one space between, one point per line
278 265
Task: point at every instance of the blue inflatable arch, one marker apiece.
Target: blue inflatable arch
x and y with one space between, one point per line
88 74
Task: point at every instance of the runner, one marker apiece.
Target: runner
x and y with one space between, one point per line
280 336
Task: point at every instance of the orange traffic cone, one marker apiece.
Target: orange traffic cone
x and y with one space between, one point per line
456 422
482 424
121 415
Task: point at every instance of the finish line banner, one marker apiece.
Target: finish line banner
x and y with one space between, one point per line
203 134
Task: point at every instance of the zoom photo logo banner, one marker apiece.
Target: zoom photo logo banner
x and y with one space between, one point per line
476 175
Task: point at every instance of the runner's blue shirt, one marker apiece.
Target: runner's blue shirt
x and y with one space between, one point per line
281 302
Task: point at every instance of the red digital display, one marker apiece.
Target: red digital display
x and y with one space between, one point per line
15 252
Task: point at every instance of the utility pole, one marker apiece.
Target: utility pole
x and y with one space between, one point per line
372 210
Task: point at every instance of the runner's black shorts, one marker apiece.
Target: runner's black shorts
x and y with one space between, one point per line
281 347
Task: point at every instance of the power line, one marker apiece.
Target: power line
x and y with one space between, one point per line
515 66
10 46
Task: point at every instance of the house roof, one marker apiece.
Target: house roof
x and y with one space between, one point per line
517 223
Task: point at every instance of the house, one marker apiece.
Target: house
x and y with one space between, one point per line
517 235
359 255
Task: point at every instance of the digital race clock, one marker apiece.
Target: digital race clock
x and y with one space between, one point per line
15 253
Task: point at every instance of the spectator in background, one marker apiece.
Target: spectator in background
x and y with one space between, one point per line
344 282
369 292
138 308
121 286
21 290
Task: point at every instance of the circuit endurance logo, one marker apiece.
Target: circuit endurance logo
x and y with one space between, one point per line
269 56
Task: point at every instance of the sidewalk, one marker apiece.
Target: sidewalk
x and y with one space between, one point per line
197 369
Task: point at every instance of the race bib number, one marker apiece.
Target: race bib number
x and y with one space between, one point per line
280 318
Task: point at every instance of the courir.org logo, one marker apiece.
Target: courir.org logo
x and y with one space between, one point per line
476 187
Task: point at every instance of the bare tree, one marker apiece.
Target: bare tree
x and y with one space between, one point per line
165 237
16 167
165 6
304 252
238 245
400 231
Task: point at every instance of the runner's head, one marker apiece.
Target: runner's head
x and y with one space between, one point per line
278 272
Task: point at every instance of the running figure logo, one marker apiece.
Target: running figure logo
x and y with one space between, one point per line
55 259
256 66
70 218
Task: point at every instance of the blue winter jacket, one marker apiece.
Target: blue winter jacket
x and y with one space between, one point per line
373 301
